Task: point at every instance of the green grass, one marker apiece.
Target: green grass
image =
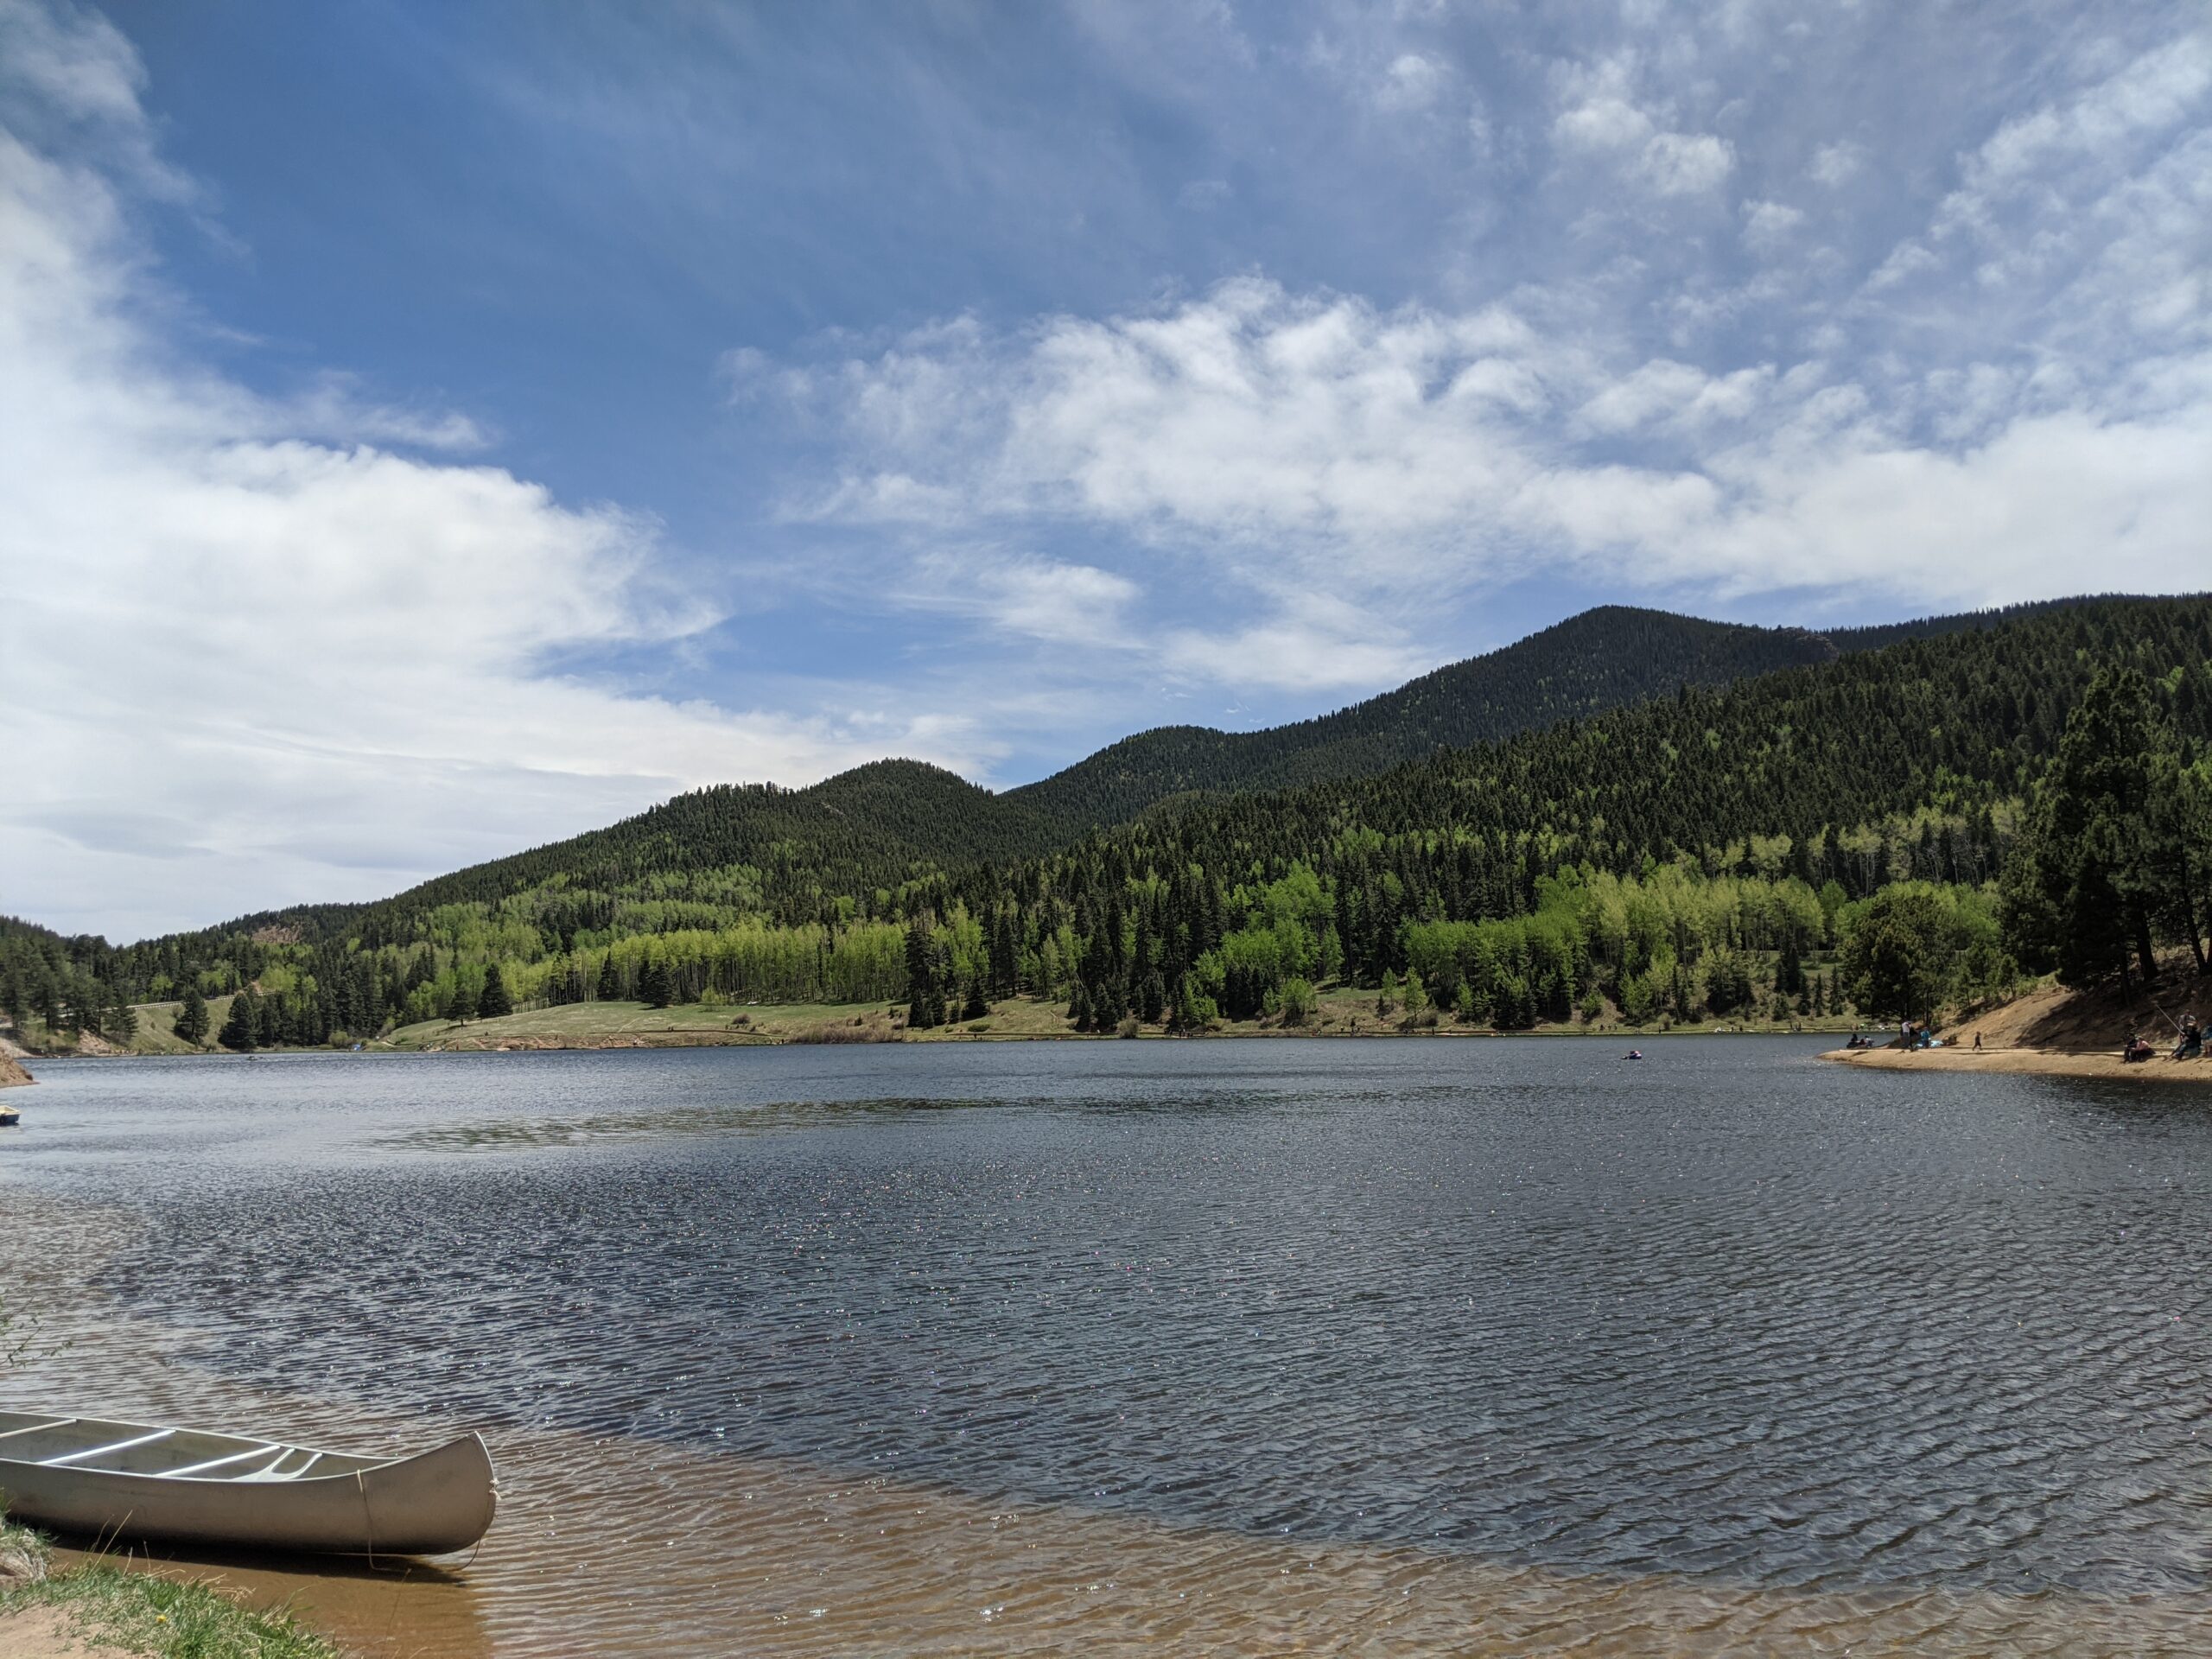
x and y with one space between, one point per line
138 1612
1340 1011
157 1032
151 1615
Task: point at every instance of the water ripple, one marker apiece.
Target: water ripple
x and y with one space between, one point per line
1742 1348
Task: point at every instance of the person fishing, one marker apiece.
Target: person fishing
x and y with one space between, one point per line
2189 1045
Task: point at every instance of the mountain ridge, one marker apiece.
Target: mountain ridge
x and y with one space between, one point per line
864 828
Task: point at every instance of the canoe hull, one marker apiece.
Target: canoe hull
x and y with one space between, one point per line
432 1505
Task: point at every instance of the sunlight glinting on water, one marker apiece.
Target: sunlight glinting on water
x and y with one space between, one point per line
1431 1347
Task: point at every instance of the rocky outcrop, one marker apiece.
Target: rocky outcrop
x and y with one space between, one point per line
12 1073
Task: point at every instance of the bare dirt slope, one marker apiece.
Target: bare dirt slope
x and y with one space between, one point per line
2060 1032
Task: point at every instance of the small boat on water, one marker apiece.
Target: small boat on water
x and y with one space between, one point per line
9 1117
94 1476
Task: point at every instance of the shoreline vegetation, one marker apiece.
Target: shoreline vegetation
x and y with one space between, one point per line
1936 820
99 1608
2048 1030
1335 1011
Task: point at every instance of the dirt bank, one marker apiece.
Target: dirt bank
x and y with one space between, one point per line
12 1073
2041 1062
44 1633
2058 1032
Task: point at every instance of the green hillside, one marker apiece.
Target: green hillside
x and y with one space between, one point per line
1743 819
1605 658
1601 659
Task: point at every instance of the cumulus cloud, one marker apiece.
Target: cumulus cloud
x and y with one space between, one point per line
255 654
1769 225
1303 443
1601 118
2018 383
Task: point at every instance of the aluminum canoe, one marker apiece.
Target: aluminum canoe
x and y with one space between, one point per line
98 1477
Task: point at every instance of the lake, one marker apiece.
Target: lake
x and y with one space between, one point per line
1479 1345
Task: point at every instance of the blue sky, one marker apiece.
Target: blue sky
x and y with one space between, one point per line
434 429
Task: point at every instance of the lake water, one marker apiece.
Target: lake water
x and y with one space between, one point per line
1390 1346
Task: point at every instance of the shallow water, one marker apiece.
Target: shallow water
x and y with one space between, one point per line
1456 1346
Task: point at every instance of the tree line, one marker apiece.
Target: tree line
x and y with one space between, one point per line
2020 796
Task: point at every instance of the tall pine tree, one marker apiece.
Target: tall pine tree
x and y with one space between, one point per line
192 1020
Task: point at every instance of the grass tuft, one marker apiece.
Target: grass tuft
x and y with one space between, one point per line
138 1612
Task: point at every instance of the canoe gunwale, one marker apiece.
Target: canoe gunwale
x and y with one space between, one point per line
427 1502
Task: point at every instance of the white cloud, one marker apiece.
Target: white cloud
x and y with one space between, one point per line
333 409
1685 164
1599 116
1678 394
1835 165
1604 123
244 666
1412 82
1037 598
2152 93
1769 225
74 69
1292 654
1391 459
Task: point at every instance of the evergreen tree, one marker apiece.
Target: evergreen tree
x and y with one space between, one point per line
610 983
1727 982
241 1028
192 1019
2103 864
1152 999
1790 968
460 1007
654 989
493 1001
924 995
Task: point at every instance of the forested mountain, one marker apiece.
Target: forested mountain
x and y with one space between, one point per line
1601 659
801 851
1744 817
1604 659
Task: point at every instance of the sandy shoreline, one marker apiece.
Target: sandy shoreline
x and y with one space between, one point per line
2035 1062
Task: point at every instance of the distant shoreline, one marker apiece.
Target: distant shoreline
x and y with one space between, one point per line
593 1025
2026 1062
